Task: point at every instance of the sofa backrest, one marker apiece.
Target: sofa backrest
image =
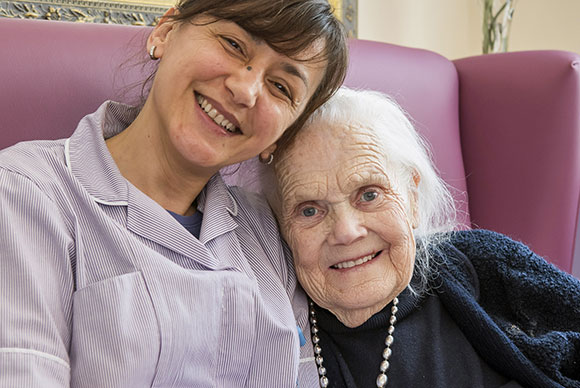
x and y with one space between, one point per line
54 73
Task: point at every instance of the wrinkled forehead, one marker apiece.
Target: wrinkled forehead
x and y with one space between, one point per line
327 153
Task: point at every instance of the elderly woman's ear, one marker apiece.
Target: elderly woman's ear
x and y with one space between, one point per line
414 198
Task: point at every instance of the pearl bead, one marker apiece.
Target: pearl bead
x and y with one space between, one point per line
324 381
387 353
382 380
389 340
384 366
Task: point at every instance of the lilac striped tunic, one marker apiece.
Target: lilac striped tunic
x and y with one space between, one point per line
101 287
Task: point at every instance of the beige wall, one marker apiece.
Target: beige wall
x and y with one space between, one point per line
453 27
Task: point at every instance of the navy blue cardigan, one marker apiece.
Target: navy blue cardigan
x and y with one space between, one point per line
525 321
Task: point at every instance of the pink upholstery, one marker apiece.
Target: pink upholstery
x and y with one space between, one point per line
510 123
520 133
54 73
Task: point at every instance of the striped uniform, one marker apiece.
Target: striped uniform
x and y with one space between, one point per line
101 287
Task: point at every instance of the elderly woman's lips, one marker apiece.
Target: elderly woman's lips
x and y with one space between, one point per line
354 263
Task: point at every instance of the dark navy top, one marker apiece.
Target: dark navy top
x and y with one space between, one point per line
429 349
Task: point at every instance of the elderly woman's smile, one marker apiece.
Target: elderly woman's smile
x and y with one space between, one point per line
346 220
349 264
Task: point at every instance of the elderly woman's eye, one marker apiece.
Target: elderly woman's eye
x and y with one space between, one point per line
309 211
369 196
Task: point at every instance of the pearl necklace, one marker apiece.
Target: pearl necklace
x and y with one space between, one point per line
382 377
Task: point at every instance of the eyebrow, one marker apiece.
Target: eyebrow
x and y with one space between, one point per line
287 67
293 70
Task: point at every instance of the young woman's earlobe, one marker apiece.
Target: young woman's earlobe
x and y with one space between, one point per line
267 156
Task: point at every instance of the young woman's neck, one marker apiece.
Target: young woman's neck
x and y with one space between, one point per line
147 163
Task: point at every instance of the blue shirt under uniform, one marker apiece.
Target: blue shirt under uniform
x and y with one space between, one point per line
101 287
191 223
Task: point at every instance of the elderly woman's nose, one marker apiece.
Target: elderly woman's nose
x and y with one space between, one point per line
245 85
347 227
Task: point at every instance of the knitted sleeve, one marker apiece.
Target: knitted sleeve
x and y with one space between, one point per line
534 303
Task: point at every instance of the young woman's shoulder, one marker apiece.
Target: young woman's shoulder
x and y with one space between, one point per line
254 213
40 161
34 178
251 203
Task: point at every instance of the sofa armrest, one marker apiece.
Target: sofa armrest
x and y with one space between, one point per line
520 136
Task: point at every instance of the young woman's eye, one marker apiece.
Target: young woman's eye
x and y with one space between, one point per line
283 89
235 45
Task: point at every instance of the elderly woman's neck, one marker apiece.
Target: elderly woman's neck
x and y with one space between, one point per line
356 317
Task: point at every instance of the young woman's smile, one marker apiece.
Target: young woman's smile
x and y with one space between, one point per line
219 116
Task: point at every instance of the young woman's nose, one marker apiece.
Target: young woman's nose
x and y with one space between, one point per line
245 85
347 228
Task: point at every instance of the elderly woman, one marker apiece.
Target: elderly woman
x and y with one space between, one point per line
395 296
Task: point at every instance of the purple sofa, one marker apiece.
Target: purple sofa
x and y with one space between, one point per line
504 128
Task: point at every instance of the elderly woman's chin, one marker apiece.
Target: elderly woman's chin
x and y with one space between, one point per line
356 294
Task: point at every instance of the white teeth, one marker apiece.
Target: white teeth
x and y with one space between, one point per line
352 263
217 117
212 113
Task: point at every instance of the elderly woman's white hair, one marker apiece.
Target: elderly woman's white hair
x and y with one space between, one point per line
407 154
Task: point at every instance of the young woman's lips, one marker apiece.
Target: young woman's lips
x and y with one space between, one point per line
214 112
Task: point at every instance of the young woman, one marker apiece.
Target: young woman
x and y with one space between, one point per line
126 260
